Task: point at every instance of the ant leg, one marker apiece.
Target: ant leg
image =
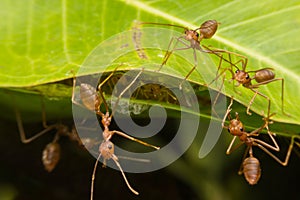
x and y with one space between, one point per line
115 159
134 139
218 76
73 91
227 113
170 50
257 131
220 64
275 148
169 93
122 93
230 149
44 114
107 78
217 96
243 60
190 72
93 176
187 46
101 92
285 162
252 100
134 159
22 132
266 125
282 90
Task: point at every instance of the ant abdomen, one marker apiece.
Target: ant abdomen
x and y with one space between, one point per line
89 97
251 170
208 28
264 75
51 156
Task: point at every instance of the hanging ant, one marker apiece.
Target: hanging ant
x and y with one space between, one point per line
251 166
106 148
52 151
194 37
261 76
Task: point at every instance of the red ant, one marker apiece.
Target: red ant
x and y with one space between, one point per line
261 76
251 166
106 148
194 37
51 153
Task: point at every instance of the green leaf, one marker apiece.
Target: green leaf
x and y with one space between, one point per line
45 42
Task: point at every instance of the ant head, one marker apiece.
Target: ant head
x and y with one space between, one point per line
191 35
236 127
242 77
106 149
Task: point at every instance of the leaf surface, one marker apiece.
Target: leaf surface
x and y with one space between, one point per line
44 42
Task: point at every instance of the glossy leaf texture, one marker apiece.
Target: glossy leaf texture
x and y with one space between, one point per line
45 42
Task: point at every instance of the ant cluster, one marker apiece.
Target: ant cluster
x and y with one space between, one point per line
92 99
191 39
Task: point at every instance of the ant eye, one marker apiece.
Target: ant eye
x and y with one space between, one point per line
241 129
110 146
247 77
237 71
228 130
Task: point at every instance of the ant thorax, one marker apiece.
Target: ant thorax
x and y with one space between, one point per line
244 138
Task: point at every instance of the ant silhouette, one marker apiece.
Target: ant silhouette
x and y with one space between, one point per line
94 99
261 76
250 166
193 37
52 151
